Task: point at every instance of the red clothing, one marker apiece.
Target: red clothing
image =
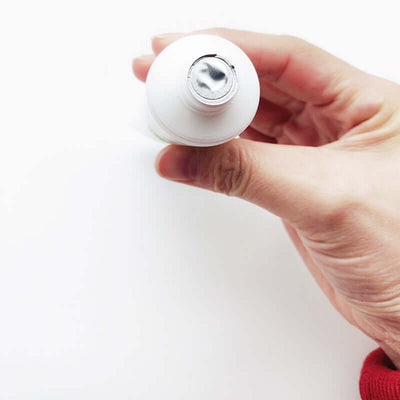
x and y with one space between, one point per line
379 379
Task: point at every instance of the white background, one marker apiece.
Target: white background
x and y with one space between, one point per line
115 284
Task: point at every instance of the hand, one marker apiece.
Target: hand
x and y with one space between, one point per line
323 154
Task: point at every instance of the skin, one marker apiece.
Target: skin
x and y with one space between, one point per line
323 154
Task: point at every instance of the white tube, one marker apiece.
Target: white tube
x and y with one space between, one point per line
202 90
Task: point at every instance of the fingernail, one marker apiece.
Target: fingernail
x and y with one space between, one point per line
160 37
139 59
177 163
164 36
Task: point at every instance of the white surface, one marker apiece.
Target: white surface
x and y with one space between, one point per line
117 284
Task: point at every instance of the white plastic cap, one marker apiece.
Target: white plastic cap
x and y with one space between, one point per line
202 90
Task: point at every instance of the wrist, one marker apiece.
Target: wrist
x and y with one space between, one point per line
392 350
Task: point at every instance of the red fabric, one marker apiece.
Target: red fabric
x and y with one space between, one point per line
379 380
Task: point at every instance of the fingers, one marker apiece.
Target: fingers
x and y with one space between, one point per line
252 134
269 118
291 71
277 96
286 180
141 66
298 68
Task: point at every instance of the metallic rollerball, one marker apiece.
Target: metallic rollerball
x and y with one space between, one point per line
202 90
212 79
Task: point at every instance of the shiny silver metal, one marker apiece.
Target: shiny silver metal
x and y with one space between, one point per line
212 79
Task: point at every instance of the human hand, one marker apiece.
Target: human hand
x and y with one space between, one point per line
323 154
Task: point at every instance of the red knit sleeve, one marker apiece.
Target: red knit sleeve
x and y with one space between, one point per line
379 379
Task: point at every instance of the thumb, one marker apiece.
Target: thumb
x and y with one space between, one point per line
290 181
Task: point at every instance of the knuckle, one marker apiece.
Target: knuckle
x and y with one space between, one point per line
336 213
229 170
341 209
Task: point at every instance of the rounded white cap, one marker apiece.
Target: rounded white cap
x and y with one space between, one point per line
202 90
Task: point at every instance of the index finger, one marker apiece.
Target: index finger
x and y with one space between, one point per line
296 67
